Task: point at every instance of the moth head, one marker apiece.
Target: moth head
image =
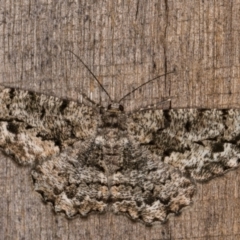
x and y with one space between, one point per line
115 108
113 116
112 108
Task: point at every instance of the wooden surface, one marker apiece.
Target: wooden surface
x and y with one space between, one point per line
125 43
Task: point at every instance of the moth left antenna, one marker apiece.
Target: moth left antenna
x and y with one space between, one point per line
145 84
91 73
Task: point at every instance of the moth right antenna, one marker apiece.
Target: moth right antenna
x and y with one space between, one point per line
145 84
91 73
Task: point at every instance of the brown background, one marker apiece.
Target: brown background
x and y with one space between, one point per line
125 43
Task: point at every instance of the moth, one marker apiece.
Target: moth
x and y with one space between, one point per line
87 159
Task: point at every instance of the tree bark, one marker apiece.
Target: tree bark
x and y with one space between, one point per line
124 43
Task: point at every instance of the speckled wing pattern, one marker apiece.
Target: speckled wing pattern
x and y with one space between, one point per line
200 143
143 164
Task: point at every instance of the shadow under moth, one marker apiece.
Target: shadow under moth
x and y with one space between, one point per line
92 159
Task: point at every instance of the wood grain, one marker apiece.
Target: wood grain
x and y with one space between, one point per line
125 43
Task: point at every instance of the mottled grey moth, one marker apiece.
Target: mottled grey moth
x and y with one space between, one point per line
88 159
